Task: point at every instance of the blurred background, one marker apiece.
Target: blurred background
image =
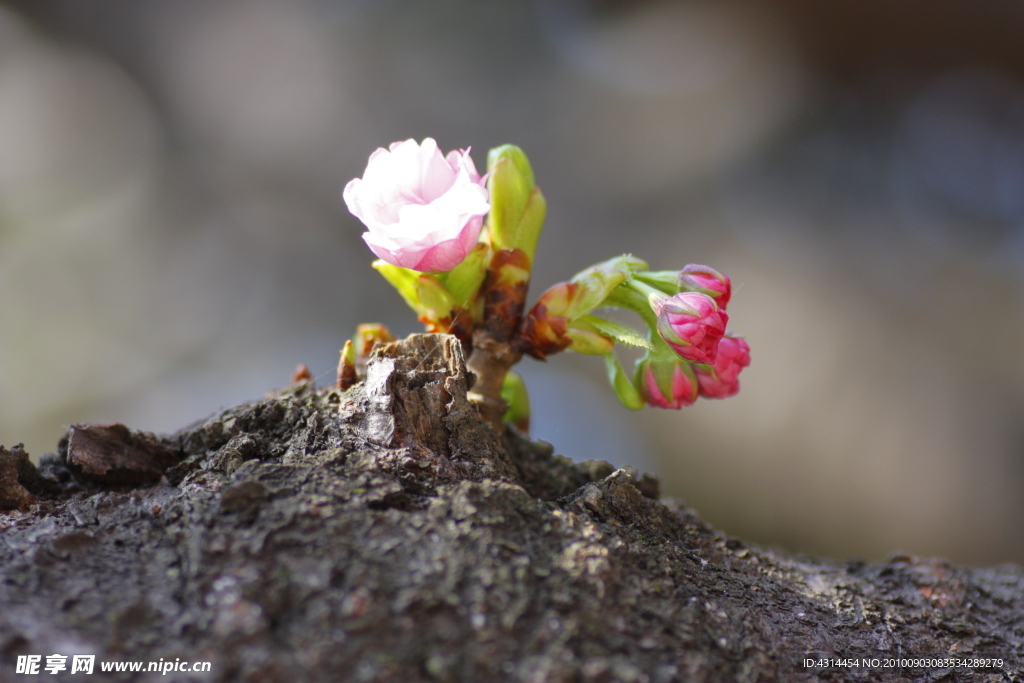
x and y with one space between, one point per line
172 239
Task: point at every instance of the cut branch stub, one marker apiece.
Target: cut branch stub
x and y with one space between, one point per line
417 408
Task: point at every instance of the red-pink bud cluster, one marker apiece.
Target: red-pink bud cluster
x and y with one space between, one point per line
704 360
692 324
721 380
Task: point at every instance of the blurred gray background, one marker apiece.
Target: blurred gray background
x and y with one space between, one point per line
172 238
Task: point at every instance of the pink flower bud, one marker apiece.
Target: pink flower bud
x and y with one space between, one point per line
723 379
706 280
667 385
691 323
423 210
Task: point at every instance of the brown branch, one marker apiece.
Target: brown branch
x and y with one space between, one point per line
386 533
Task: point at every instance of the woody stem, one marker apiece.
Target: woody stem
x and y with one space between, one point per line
495 346
490 361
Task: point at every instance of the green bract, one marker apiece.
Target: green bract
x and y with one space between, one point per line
515 395
424 293
463 281
598 281
517 206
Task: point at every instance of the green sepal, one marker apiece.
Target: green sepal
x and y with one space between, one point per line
621 384
422 292
518 207
464 280
515 395
617 331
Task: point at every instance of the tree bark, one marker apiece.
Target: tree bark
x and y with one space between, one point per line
387 533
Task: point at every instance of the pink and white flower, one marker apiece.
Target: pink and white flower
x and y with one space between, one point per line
691 323
423 211
722 379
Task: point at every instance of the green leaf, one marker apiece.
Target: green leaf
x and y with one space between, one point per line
621 384
620 333
586 339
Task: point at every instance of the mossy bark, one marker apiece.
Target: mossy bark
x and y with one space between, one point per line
386 533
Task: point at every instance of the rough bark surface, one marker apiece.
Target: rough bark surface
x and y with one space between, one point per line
386 533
